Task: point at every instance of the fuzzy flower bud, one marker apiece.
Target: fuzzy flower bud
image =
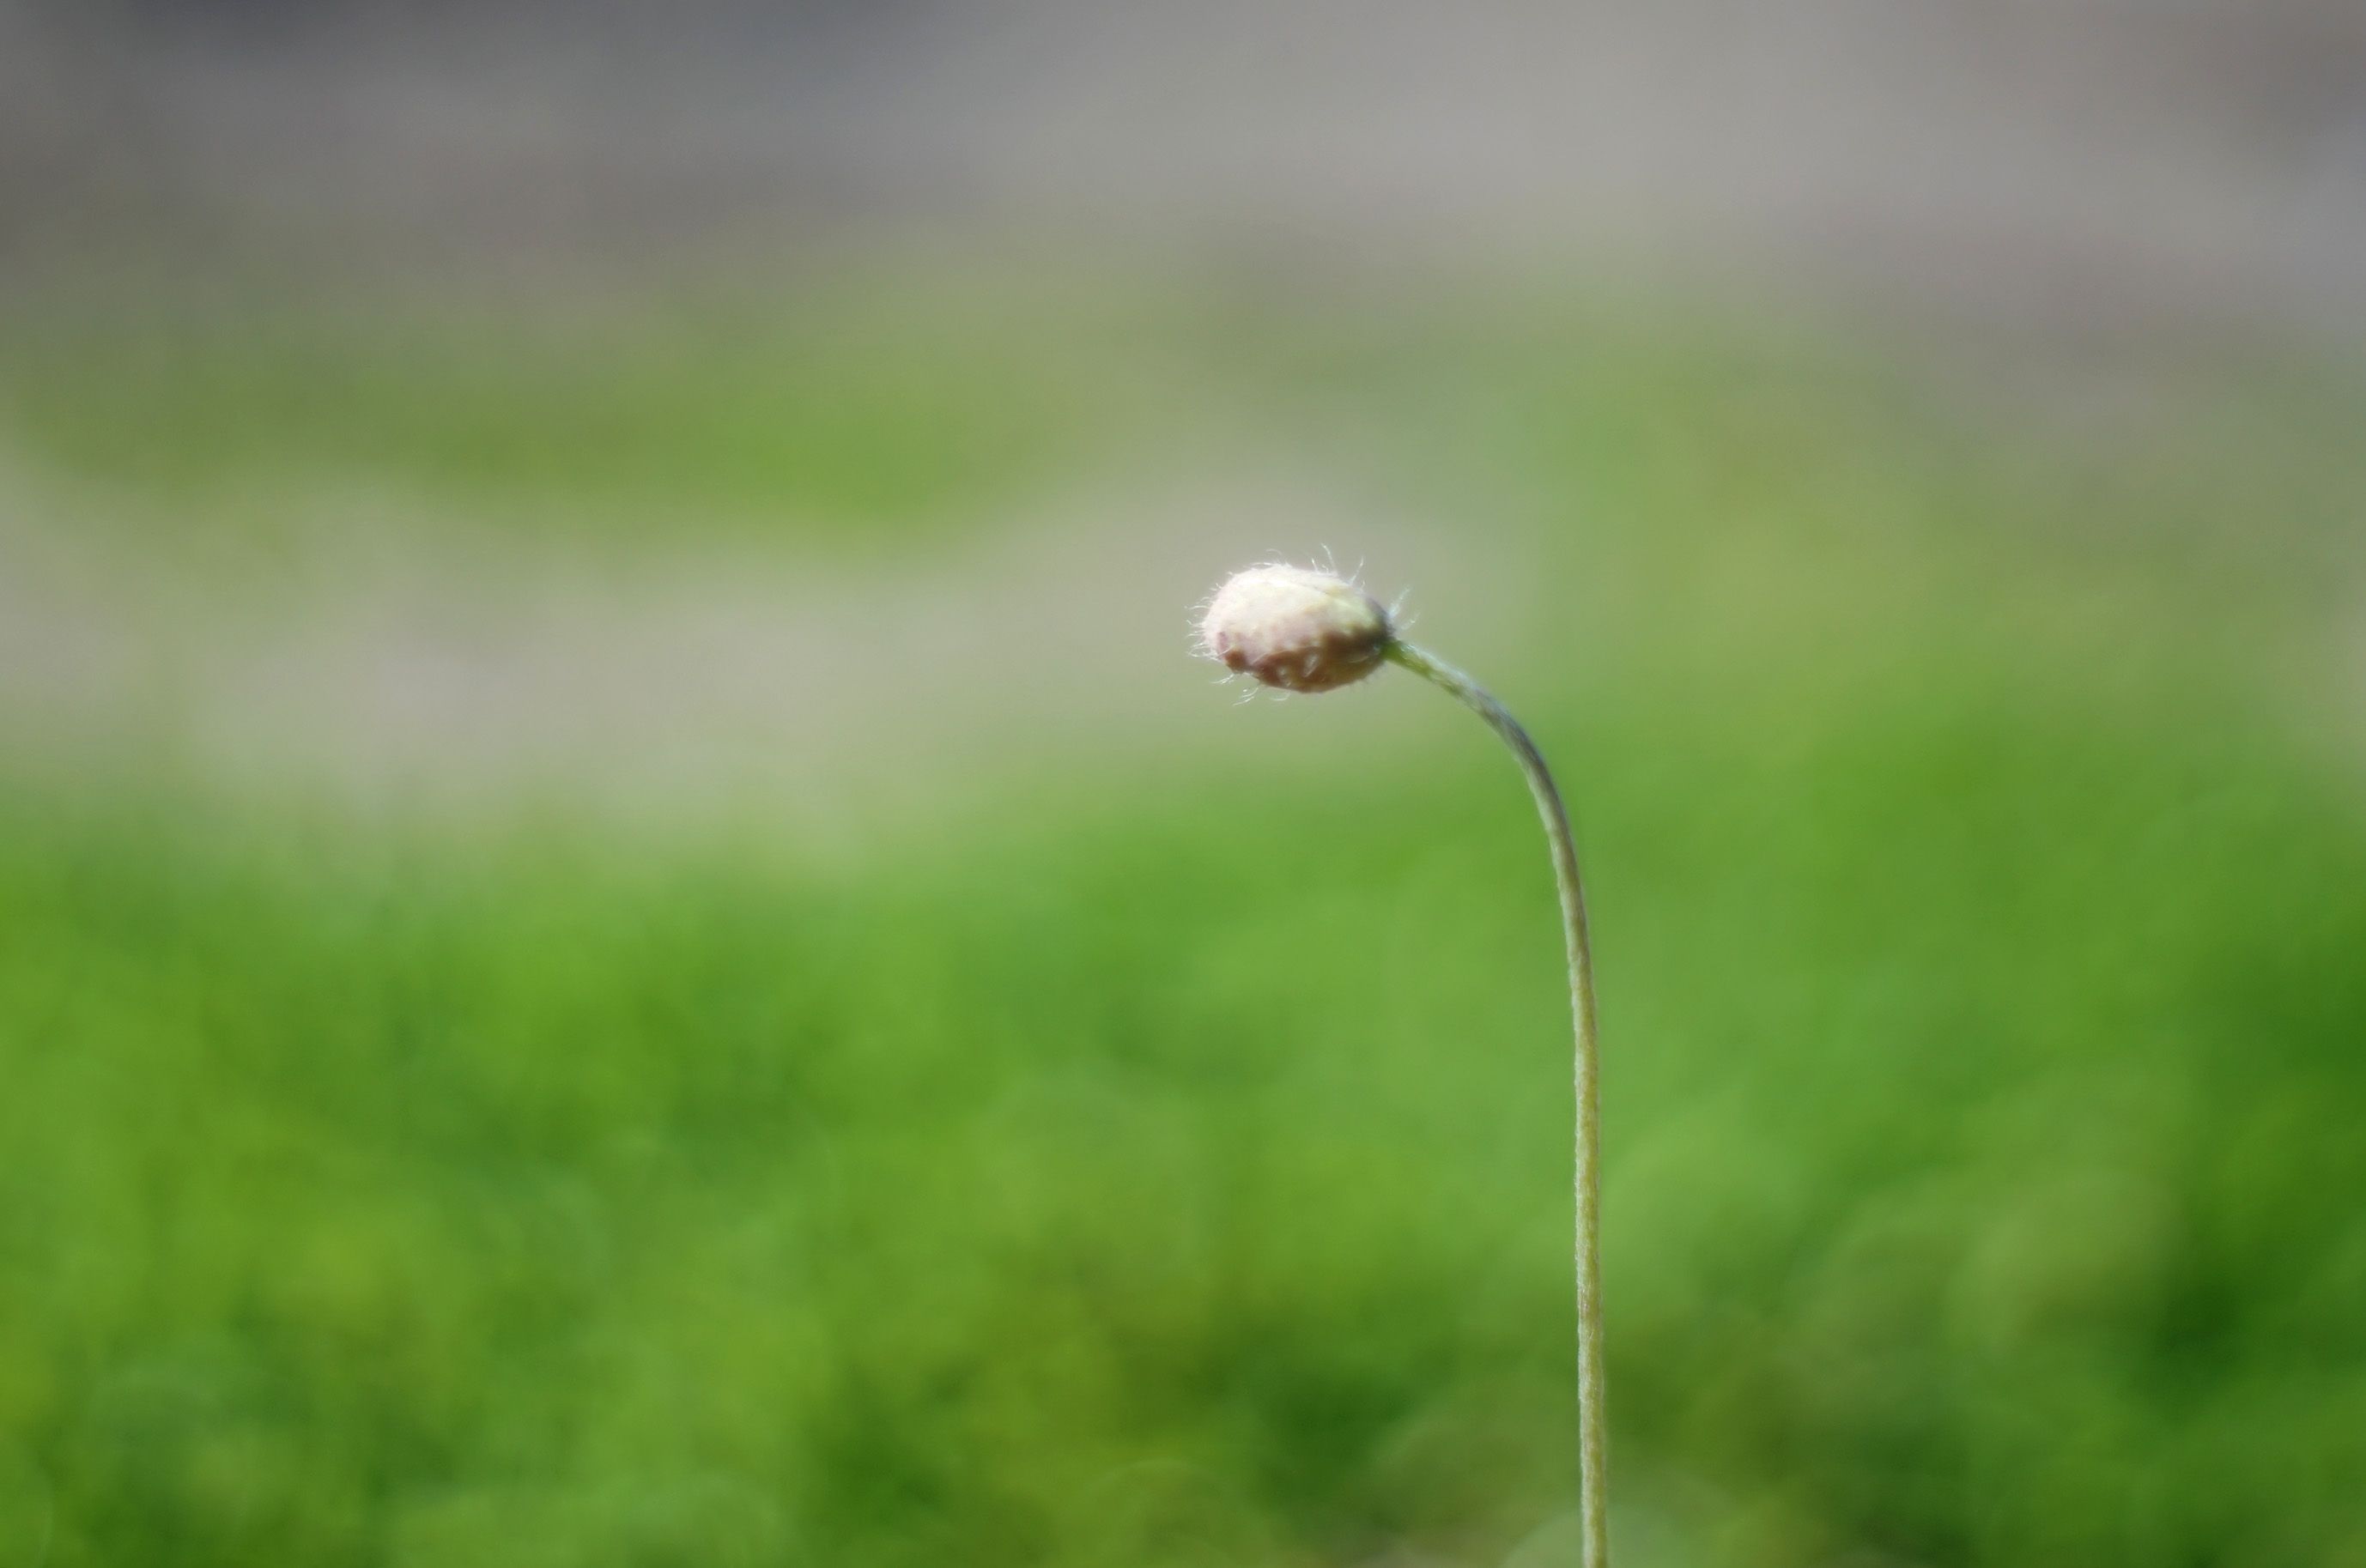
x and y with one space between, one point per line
1296 627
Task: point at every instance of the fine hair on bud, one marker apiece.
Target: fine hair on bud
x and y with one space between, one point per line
1296 627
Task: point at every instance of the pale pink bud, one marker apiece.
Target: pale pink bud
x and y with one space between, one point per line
1296 627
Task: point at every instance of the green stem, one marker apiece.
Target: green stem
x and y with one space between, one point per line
1593 1438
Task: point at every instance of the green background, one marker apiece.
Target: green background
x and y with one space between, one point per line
1144 1141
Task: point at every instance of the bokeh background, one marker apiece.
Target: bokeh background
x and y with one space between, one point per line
627 938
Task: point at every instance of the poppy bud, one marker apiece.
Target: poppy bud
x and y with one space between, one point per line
1296 627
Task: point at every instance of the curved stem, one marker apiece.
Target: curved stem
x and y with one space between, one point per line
1592 1436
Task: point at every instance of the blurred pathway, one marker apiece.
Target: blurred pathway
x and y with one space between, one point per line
462 667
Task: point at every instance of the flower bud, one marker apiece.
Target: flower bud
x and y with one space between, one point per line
1296 627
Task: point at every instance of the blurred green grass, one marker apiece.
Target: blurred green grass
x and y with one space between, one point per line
1168 1169
837 411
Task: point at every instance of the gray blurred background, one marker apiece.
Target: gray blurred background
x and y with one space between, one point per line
2082 160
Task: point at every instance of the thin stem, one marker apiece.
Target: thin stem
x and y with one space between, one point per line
1593 1438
